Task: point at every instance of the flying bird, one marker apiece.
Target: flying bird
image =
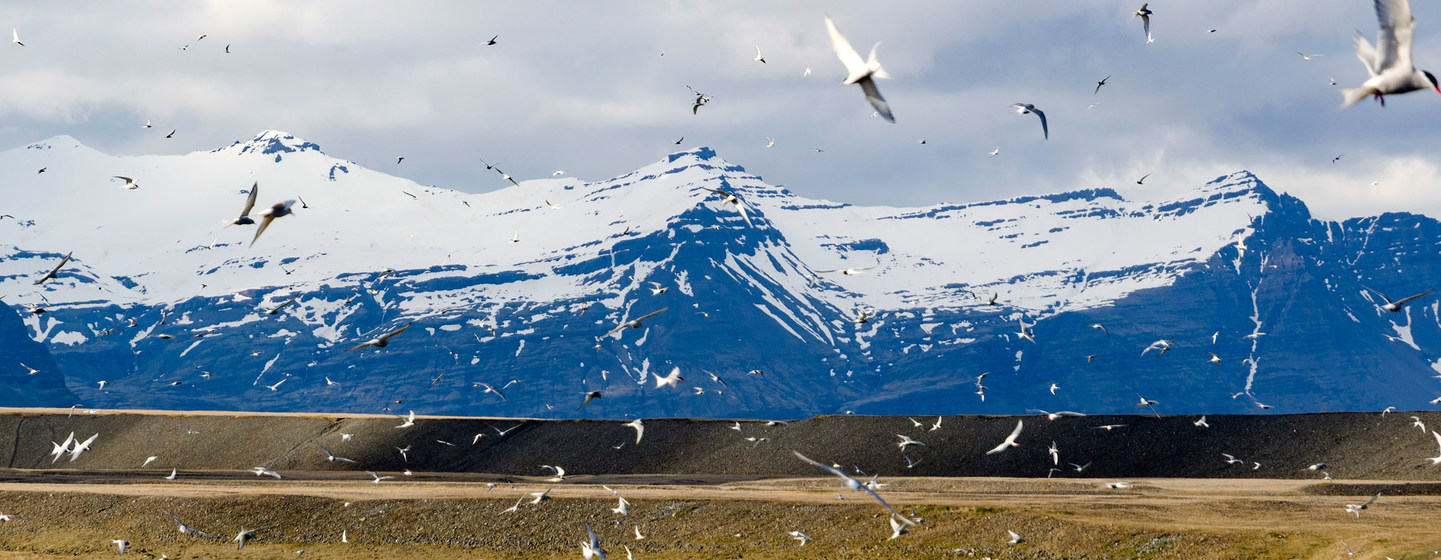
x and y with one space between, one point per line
333 457
1356 508
1142 180
1100 83
1307 57
129 185
589 396
186 528
670 380
54 271
245 219
1145 14
1027 108
490 389
381 341
1010 439
591 548
639 429
1395 306
758 57
859 71
492 40
408 422
269 215
15 38
733 200
1390 67
634 323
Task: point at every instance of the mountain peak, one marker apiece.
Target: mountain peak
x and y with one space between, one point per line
273 142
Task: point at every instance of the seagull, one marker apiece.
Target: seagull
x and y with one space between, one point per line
758 57
855 486
1390 69
1395 306
1100 83
1201 423
489 389
906 441
1010 439
52 274
634 323
1356 508
1145 14
860 71
732 200
269 215
409 421
15 38
333 457
381 341
129 185
378 478
1026 109
591 548
589 396
639 429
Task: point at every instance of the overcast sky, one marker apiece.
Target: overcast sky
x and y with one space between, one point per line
583 87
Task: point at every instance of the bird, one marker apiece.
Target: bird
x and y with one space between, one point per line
634 323
283 304
1118 485
671 380
799 536
1054 387
1101 83
859 71
399 159
589 396
1356 508
1395 306
244 536
262 471
53 272
847 271
558 470
1232 460
514 508
381 341
1052 416
1416 421
1027 108
1055 454
1390 68
1145 14
171 135
855 486
733 200
770 142
1142 180
148 460
1201 422
539 496
1307 57
15 38
906 441
897 528
122 544
279 209
186 528
1437 459
1162 345
81 447
639 428
1110 427
490 389
1015 539
638 536
1316 466
173 474
129 184
1010 439
408 421
996 151
1337 158
333 457
378 478
591 548
758 57
492 40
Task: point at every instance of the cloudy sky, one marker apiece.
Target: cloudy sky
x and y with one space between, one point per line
584 87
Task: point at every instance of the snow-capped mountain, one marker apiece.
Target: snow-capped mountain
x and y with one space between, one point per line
518 289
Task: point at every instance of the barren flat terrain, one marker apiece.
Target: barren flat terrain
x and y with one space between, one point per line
747 511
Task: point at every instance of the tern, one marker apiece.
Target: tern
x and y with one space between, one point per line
1416 421
671 380
733 200
855 486
634 323
1437 459
381 341
1010 439
906 441
1201 423
333 457
409 421
591 548
559 473
540 496
1100 83
1162 345
492 40
1390 67
186 528
1055 454
1356 508
799 536
122 544
245 219
277 210
638 536
54 271
1145 14
148 460
378 478
758 57
639 429
897 528
129 185
61 448
244 536
262 471
1015 539
1395 306
1026 109
1052 416
489 389
589 396
173 474
859 71
15 38
1232 460
81 447
1054 387
514 508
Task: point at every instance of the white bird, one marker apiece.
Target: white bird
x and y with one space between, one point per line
1010 439
1389 62
634 323
381 341
591 548
15 38
996 151
378 478
859 71
333 457
61 448
81 447
622 507
1416 421
1356 508
186 528
1201 423
758 57
1118 485
129 185
1395 306
559 473
487 388
1026 109
245 219
1145 14
770 142
935 426
1437 459
799 536
279 209
262 471
1054 387
639 429
148 460
638 536
897 528
855 486
514 508
1307 57
906 441
122 544
733 200
671 380
244 536
806 72
408 421
1055 454
1052 416
1162 345
173 474
1015 539
540 496
1232 460
346 437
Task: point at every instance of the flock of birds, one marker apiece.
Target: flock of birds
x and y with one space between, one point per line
1391 72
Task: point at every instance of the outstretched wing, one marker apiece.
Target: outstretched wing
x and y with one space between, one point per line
250 200
844 51
873 95
1393 41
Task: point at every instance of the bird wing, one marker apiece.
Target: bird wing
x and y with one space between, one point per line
844 51
1366 53
758 52
639 431
594 540
1045 129
717 191
651 314
362 345
250 200
1146 25
387 336
1010 439
1409 298
264 223
873 95
1378 494
1393 41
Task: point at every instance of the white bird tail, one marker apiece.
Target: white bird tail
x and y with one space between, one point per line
1355 95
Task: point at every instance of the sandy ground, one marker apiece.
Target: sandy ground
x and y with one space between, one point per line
685 517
